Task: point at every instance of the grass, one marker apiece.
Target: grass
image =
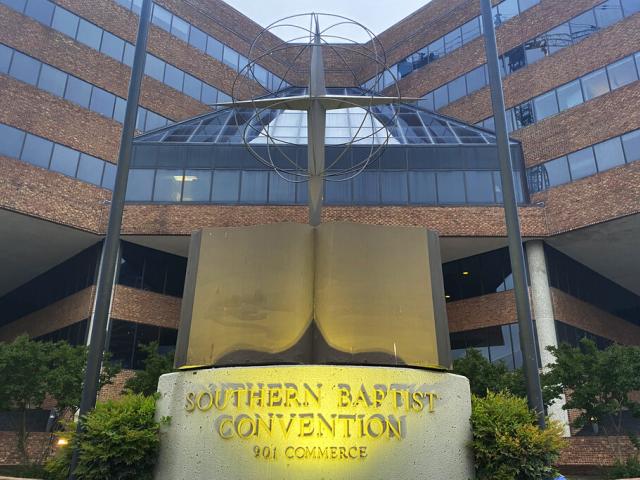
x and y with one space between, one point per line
22 471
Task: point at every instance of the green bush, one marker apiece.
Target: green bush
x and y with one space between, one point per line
120 441
627 469
145 381
507 443
485 376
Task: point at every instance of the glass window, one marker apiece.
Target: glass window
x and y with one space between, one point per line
436 49
536 49
457 89
595 84
109 176
281 190
90 169
161 17
427 101
64 160
558 38
583 25
214 48
338 193
173 77
450 187
569 95
140 185
119 110
609 154
394 188
37 151
102 102
129 51
523 115
192 86
366 188
168 185
527 4
112 46
630 7
226 186
89 34
52 80
582 163
78 91
180 28
198 39
41 10
10 141
557 171
470 30
479 187
515 59
476 79
5 58
154 67
254 186
453 40
608 13
230 57
66 22
197 186
24 68
154 121
209 94
631 143
545 105
507 10
440 97
622 73
422 188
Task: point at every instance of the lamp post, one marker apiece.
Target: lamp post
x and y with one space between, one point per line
516 252
109 257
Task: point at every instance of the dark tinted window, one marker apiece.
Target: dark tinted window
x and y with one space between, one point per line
546 105
109 176
10 141
37 151
479 187
102 102
622 73
192 86
24 68
65 21
214 48
595 84
41 10
90 169
5 58
570 95
112 46
451 187
582 163
64 160
52 80
366 188
608 13
631 143
154 67
89 34
140 185
226 186
78 91
394 187
609 154
173 77
161 17
523 115
254 186
281 190
198 38
558 171
476 79
514 59
422 188
180 28
457 89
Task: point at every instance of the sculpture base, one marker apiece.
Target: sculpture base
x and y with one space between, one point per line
314 422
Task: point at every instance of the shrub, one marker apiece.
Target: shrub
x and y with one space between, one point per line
486 376
145 381
120 441
507 443
627 469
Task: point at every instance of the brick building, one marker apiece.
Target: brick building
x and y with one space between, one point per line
570 72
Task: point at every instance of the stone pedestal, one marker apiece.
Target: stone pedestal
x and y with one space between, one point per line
314 422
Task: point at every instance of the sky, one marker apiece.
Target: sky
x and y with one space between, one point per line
376 15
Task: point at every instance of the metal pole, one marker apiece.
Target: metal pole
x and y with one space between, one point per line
516 252
109 257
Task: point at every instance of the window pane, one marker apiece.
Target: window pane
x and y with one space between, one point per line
281 190
24 68
140 185
507 10
453 40
10 141
422 188
5 58
112 46
470 30
366 188
630 7
479 187
631 143
119 110
546 105
608 13
583 25
394 188
89 34
78 91
514 59
52 80
154 67
440 97
168 185
173 77
90 169
197 184
557 171
209 94
64 160
154 121
595 84
192 86
230 57
109 177
65 21
129 50
161 17
523 115
570 95
582 163
476 79
226 186
559 38
41 10
450 187
609 154
254 186
457 89
622 73
198 39
102 102
180 28
527 4
436 49
214 48
37 151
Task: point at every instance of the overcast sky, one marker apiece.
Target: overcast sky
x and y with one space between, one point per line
377 15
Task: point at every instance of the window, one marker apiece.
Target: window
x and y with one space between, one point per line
65 22
168 185
102 102
109 176
450 187
630 7
254 186
457 89
523 115
140 185
209 94
422 188
64 160
24 68
609 154
89 34
90 169
583 25
440 97
470 30
180 28
37 151
119 110
214 48
558 171
338 193
173 77
52 80
631 143
192 86
558 38
198 39
41 10
112 46
546 105
5 58
479 187
595 84
197 186
154 67
161 17
453 40
582 163
622 73
129 51
154 121
226 186
78 91
608 13
282 191
514 59
366 188
569 95
436 49
507 10
476 79
230 57
394 188
527 4
535 50
10 141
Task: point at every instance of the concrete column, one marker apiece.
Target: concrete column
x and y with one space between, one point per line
542 306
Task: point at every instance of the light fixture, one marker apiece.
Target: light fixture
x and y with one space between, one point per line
447 296
465 273
62 442
185 178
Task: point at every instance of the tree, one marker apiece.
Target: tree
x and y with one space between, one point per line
599 381
485 376
145 381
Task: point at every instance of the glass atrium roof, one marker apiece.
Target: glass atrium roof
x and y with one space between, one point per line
406 124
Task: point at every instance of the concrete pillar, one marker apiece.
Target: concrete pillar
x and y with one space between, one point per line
542 306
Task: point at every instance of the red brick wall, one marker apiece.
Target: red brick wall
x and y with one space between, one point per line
37 446
590 452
